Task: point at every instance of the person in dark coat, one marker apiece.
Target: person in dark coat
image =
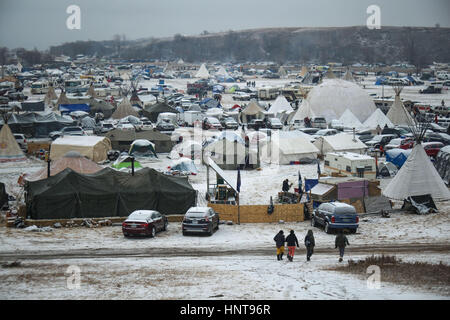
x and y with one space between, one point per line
309 243
279 242
292 242
341 242
286 185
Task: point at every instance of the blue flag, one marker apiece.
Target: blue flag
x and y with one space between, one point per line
238 184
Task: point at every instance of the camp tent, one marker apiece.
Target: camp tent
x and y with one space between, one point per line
184 166
350 121
124 109
417 177
279 106
397 156
9 148
122 139
142 148
387 169
125 163
339 142
107 193
92 147
303 111
73 160
287 148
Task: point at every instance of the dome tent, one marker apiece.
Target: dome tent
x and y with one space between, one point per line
142 148
332 97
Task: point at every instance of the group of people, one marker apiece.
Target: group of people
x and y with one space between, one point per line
251 84
291 240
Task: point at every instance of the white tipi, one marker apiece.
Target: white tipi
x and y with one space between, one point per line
202 72
9 148
280 105
397 112
378 118
350 120
303 111
417 177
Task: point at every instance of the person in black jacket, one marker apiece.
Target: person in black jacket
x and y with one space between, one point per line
309 243
341 242
279 241
286 185
292 241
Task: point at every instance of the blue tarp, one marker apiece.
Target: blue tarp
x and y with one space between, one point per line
380 81
74 107
310 183
397 156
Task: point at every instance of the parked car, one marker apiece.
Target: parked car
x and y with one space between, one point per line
380 140
200 220
319 122
144 223
401 143
239 95
310 131
211 123
400 132
336 124
325 132
125 126
22 141
335 215
274 123
229 123
437 137
165 125
67 131
365 136
256 123
432 148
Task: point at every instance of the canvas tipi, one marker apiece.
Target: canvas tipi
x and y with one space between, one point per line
9 148
280 105
350 120
124 109
397 113
348 76
303 111
378 118
417 177
202 72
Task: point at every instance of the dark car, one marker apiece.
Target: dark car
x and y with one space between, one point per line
144 223
310 131
437 137
256 124
365 136
335 215
380 140
200 220
398 131
274 123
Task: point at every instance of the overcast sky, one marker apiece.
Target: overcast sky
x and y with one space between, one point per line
42 23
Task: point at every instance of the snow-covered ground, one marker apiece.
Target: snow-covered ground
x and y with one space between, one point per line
239 275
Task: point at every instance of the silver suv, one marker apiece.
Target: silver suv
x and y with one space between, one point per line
22 141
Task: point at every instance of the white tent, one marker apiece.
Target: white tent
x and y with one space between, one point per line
9 148
252 110
417 177
222 72
280 105
303 111
286 147
348 76
397 112
228 154
202 72
282 72
350 120
378 118
340 142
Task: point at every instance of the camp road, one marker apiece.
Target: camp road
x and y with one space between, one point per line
208 252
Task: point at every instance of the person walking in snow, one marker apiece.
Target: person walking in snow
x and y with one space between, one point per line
309 243
279 242
341 242
292 242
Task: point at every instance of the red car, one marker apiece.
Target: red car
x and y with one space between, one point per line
432 148
407 143
144 223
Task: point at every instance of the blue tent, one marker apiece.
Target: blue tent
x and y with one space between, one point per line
397 156
380 81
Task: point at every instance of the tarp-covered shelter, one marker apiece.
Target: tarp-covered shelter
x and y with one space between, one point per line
107 193
122 139
152 112
442 164
397 156
33 106
37 124
73 160
92 147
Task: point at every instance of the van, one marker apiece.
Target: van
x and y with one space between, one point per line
319 122
39 87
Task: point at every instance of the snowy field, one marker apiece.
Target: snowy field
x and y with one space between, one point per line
237 262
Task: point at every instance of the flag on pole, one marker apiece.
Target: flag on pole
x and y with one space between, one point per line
238 184
318 169
299 181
